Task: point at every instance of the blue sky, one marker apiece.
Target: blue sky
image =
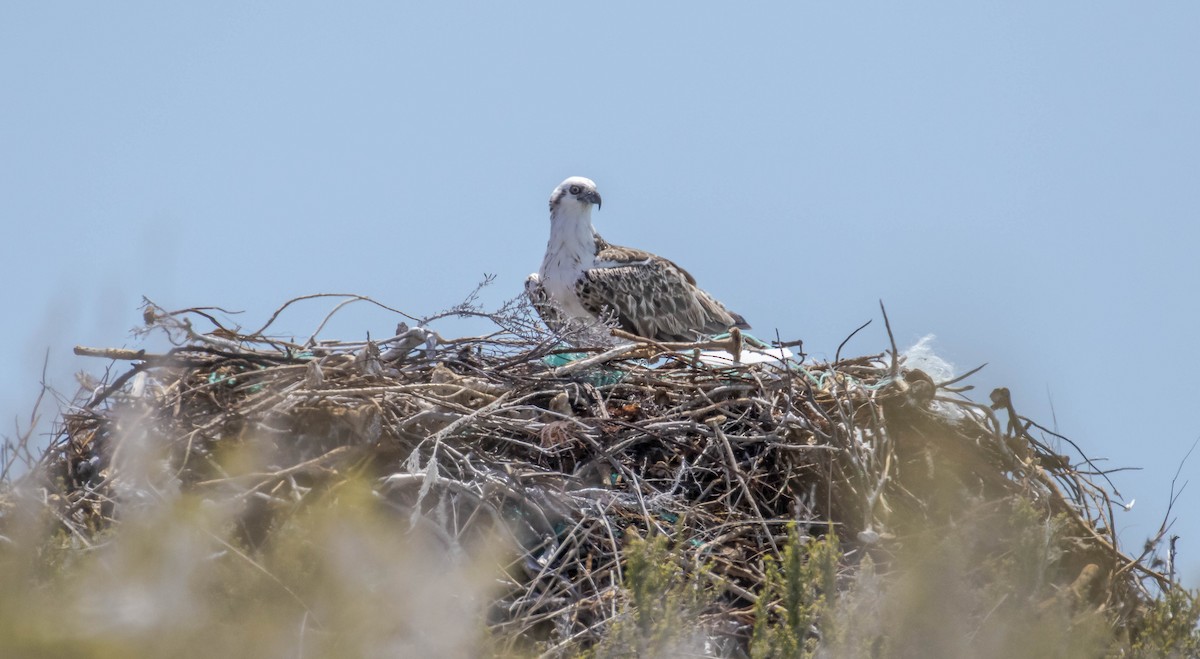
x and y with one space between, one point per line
1019 179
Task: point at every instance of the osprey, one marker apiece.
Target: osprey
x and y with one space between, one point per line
584 276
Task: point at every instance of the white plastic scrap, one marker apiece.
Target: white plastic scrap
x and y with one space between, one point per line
406 339
921 356
750 355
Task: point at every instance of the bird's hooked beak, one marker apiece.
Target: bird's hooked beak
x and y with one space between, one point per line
592 197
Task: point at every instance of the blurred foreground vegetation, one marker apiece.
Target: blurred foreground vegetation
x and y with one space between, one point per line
348 577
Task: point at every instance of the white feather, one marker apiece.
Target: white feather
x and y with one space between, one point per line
570 251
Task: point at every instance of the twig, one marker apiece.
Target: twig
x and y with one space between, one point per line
895 368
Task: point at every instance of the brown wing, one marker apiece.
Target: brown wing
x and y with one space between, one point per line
651 296
550 312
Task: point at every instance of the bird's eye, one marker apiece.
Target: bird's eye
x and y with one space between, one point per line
575 189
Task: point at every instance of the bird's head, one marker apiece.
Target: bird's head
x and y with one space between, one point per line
574 194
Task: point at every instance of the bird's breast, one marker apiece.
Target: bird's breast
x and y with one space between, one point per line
559 276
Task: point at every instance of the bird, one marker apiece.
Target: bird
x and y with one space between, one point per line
585 277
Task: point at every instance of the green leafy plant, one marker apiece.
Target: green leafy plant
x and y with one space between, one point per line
665 602
1172 627
800 589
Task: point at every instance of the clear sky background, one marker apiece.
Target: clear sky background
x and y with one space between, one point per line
1020 179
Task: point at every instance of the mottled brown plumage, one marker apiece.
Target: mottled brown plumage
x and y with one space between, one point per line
651 296
584 276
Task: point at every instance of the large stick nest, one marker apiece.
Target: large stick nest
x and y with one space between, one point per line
480 436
